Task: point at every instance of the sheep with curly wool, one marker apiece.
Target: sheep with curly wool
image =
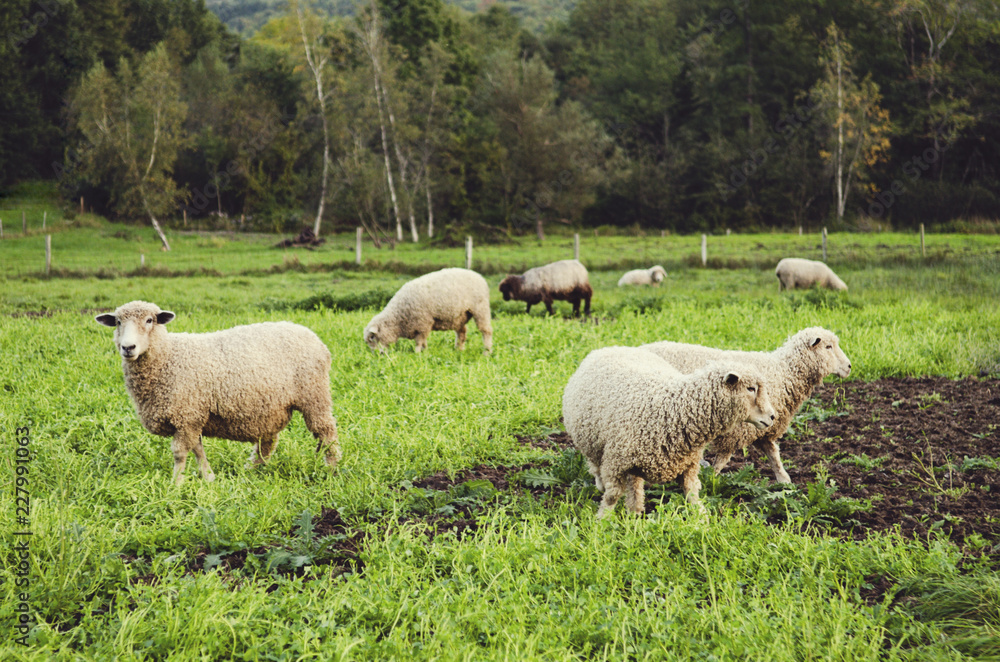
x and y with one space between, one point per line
442 300
796 272
790 372
636 418
651 276
241 383
566 280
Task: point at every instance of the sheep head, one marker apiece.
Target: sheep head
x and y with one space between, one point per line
510 287
749 390
658 273
822 347
134 323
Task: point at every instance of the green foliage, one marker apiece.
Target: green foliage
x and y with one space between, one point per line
569 469
812 409
376 298
470 495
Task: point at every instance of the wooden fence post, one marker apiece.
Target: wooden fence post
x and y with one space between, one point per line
357 246
185 211
468 252
704 250
576 246
142 260
81 204
824 244
48 254
800 230
24 223
923 252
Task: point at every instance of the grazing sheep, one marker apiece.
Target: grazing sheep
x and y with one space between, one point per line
240 384
442 300
566 280
795 272
651 276
791 372
635 418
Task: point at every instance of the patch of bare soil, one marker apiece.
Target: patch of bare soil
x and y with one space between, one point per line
926 451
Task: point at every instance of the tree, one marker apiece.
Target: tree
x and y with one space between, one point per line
858 126
131 125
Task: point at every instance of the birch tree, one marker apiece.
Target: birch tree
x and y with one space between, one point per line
857 128
133 123
317 58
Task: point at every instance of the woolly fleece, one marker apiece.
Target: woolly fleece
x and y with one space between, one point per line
795 272
635 418
241 383
442 300
651 276
790 372
566 280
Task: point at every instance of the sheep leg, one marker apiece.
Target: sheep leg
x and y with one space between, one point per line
721 460
635 495
183 442
613 490
421 342
595 471
586 308
482 322
691 485
548 305
261 452
460 334
199 453
324 429
773 453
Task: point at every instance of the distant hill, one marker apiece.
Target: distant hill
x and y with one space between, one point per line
247 16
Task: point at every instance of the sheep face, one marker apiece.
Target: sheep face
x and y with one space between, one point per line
510 287
750 391
825 348
372 339
658 273
134 323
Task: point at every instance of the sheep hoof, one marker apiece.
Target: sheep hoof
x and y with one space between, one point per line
209 477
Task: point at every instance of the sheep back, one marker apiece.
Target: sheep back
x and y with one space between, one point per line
442 300
794 272
651 276
565 280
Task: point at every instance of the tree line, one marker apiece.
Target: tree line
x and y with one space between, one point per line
415 118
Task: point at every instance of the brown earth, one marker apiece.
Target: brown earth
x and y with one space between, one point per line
899 444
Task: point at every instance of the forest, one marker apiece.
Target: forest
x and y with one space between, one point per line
421 119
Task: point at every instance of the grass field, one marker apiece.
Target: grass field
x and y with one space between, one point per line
124 564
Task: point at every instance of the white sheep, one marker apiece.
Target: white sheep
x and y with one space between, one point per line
442 300
635 418
791 372
796 272
566 280
241 383
651 276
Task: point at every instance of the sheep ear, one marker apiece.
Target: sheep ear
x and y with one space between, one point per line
107 319
732 379
164 317
816 342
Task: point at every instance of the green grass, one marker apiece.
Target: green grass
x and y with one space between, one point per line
113 552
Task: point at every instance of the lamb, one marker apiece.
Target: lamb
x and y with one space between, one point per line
240 384
793 272
442 300
651 276
635 418
565 280
791 372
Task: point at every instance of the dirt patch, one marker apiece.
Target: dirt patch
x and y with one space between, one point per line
903 443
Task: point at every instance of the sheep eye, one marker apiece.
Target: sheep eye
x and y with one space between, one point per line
829 346
149 321
751 389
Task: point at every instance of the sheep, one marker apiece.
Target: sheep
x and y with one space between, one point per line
635 418
442 300
240 384
651 276
566 280
795 272
791 372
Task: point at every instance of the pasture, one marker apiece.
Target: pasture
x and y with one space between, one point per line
460 523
